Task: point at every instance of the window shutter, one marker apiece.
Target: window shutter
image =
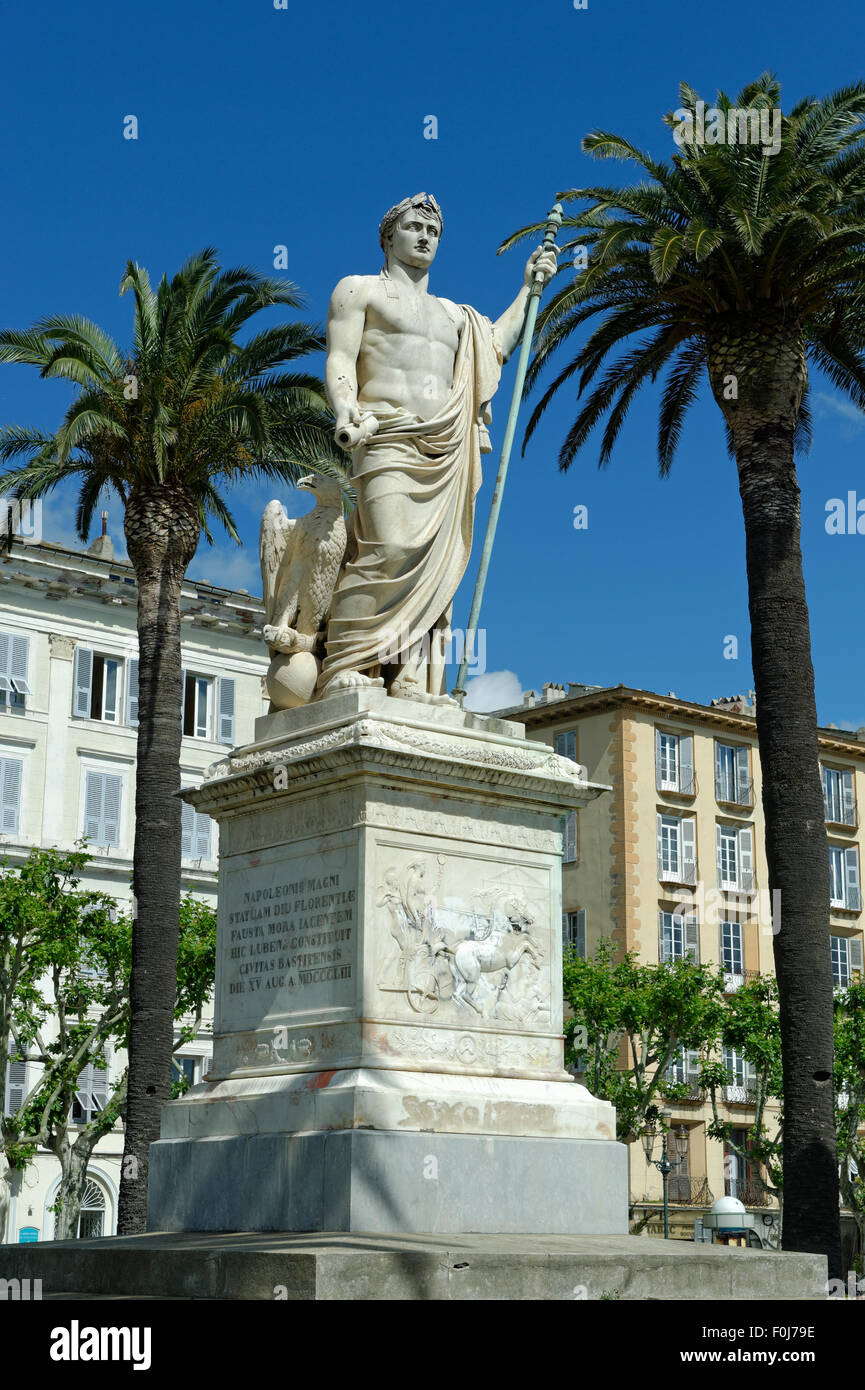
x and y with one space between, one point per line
660 849
692 937
848 799
686 765
692 1058
852 897
824 778
10 794
132 691
202 836
566 936
16 1087
98 1090
580 932
18 664
743 790
93 806
566 744
569 847
226 709
111 808
4 659
746 858
83 681
855 946
718 854
657 757
187 829
663 952
689 849
719 774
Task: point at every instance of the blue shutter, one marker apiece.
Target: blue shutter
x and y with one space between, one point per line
226 709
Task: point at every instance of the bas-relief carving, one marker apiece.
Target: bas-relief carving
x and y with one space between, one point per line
476 956
61 646
497 1051
259 826
481 829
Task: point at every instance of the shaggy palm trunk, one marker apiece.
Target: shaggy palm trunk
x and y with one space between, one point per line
162 531
757 369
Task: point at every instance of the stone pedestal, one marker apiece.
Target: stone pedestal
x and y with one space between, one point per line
388 1026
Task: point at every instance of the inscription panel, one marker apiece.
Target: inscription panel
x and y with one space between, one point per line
287 936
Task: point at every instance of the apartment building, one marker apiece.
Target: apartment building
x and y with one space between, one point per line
68 730
671 863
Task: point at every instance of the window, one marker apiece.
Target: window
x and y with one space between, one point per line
732 775
731 952
685 1069
11 771
195 833
677 849
674 763
91 1222
16 1087
14 664
566 744
844 878
743 1082
102 801
574 931
569 839
741 1175
839 799
846 959
188 1066
98 685
678 936
208 705
91 1095
735 855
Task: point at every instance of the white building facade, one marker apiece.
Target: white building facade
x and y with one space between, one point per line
68 732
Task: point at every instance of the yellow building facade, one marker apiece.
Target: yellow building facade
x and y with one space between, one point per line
671 862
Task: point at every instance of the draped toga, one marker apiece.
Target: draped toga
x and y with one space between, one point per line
416 482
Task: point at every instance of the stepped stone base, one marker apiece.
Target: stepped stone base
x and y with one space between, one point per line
310 1268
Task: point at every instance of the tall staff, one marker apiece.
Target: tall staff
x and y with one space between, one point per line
554 222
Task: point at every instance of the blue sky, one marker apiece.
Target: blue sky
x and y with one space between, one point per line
260 127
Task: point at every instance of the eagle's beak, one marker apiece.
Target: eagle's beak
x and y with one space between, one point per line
306 484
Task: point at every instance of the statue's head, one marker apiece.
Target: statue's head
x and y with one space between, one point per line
411 230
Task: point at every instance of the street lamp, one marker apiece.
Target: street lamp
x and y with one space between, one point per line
667 1163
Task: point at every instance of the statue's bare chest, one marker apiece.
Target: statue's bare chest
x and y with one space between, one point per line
401 312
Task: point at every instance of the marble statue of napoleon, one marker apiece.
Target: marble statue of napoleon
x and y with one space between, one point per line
409 377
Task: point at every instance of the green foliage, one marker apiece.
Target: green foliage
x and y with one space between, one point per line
188 406
718 233
65 961
850 1098
636 1018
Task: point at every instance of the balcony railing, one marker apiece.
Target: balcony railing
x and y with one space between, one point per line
735 793
685 873
735 979
842 816
753 1194
851 902
683 784
740 1095
691 1192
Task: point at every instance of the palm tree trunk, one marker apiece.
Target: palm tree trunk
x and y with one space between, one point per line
767 363
162 531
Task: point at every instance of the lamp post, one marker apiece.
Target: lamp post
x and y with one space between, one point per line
666 1164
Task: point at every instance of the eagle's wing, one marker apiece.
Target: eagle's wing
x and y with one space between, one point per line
275 530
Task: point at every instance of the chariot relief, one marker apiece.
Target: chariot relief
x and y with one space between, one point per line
479 958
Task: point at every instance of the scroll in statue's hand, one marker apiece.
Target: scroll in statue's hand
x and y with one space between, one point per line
354 428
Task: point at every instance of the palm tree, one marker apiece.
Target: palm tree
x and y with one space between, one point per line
743 261
187 409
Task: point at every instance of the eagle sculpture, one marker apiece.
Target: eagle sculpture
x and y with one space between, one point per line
300 564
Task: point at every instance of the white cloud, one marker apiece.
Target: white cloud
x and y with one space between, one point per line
493 690
837 405
228 566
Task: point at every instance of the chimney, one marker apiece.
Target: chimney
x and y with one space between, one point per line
102 548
